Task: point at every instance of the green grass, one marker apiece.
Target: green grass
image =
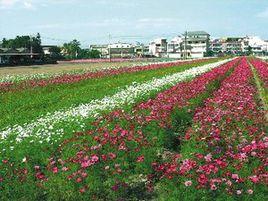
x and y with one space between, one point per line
23 106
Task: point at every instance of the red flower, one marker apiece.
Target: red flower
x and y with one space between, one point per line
140 159
202 179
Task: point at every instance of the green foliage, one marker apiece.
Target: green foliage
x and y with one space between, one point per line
88 54
71 49
24 42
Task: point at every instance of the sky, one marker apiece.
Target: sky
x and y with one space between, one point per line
92 21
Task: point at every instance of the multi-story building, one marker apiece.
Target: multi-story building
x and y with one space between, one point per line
255 45
121 50
216 46
239 46
198 42
158 47
141 50
174 47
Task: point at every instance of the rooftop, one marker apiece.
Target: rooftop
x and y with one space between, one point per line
194 33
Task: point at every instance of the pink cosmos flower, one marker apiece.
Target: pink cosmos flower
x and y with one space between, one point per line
235 176
112 155
78 180
55 170
64 169
140 159
238 192
202 179
188 183
82 190
250 191
94 158
84 174
254 179
213 187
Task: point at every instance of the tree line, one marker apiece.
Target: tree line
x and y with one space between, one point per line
33 44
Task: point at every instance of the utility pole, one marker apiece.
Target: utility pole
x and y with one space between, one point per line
109 48
31 48
185 45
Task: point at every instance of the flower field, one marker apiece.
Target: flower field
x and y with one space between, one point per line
194 130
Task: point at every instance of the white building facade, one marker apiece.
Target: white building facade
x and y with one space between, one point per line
158 47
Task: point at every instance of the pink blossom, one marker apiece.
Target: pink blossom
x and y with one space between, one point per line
250 191
188 183
140 159
254 179
238 192
55 170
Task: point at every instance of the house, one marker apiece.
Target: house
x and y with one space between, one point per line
199 43
256 45
103 49
158 47
174 47
239 46
141 50
121 50
9 55
47 48
216 46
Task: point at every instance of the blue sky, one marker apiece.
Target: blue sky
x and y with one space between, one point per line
91 21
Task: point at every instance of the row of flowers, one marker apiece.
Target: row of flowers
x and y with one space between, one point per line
42 79
120 149
52 126
262 69
226 149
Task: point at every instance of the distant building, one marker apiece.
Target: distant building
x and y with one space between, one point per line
199 43
158 47
174 47
239 46
141 50
121 50
216 46
257 46
103 49
47 48
17 55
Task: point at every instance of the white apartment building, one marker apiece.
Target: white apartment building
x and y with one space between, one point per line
257 45
174 47
198 41
158 47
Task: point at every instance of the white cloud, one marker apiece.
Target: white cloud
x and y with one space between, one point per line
11 4
263 14
28 5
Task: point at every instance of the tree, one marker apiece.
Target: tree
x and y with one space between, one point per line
27 42
95 54
55 53
71 49
88 54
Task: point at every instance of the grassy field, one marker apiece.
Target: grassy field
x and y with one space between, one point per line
22 106
65 67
